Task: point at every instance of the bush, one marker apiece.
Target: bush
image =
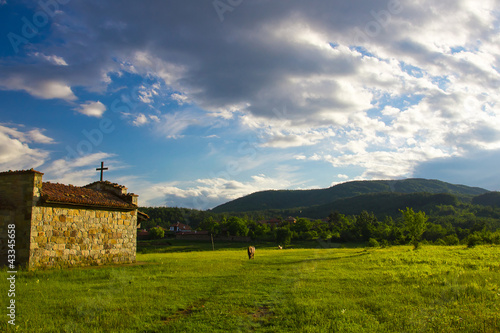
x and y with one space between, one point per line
440 242
309 235
157 233
451 240
495 238
325 235
474 240
372 242
283 235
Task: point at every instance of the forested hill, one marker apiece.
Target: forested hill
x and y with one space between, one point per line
289 199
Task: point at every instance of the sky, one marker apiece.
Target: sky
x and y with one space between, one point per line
197 102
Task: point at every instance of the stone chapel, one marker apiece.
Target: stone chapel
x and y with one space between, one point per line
60 225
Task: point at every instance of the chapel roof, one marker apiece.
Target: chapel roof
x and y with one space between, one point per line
82 196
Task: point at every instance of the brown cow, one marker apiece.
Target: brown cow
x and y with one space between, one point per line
251 252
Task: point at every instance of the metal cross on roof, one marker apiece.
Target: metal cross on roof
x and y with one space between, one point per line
102 168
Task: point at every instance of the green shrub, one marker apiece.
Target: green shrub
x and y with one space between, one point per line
157 233
495 238
372 242
283 235
474 240
451 240
309 235
440 242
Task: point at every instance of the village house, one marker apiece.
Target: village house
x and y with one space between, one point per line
59 225
180 227
278 222
272 222
142 234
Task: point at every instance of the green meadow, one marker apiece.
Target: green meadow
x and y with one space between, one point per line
190 288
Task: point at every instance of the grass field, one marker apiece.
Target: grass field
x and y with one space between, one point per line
434 289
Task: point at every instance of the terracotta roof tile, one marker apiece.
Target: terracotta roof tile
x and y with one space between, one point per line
69 194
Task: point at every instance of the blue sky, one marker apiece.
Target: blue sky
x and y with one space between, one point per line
194 103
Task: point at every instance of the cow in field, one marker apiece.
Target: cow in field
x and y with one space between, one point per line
251 252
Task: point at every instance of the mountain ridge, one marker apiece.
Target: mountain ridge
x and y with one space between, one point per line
290 199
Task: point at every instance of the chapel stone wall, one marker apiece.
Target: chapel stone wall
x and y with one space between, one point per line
63 237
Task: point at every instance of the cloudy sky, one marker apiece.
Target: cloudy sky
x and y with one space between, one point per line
196 102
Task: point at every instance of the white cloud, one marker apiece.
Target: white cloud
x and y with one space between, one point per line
78 171
147 63
53 59
44 89
380 164
180 99
92 109
390 111
15 153
32 136
147 94
174 125
297 139
204 193
37 136
156 119
140 120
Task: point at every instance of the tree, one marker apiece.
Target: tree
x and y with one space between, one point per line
257 230
283 235
416 224
236 226
434 232
157 233
302 225
210 225
365 224
334 217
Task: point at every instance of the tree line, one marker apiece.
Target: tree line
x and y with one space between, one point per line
444 224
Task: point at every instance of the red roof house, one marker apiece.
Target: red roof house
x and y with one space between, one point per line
180 227
271 222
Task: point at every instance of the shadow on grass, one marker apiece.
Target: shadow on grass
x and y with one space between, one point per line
358 254
179 245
